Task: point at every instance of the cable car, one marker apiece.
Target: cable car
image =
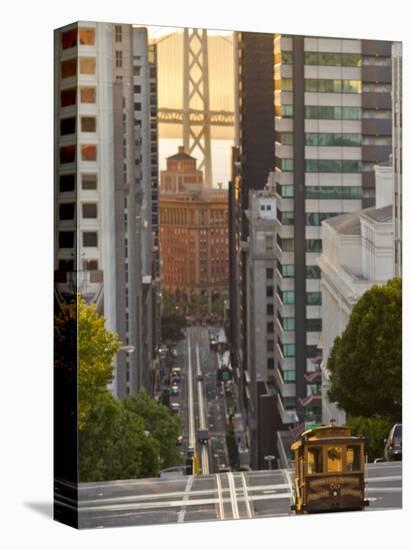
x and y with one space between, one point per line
329 470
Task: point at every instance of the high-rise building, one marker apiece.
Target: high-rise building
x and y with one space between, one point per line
252 160
333 124
99 187
193 230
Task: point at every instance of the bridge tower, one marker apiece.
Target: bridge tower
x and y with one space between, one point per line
196 107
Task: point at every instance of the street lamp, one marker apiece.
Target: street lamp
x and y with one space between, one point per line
270 458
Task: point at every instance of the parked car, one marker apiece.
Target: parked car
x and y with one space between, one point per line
393 445
175 390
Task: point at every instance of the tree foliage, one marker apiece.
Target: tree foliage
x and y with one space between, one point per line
113 444
374 430
365 363
161 423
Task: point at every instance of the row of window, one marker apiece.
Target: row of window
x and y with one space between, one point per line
66 239
312 218
321 112
340 166
288 297
69 38
68 67
68 153
67 182
323 139
67 211
68 125
289 350
68 265
323 85
320 192
69 96
288 270
311 325
325 58
312 245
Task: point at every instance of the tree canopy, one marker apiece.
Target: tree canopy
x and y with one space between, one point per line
365 362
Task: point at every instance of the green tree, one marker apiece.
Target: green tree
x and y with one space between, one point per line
97 348
161 423
113 443
374 430
365 363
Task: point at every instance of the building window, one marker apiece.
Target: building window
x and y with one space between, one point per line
88 123
69 68
87 94
270 327
119 59
313 298
286 111
66 265
89 182
89 152
66 211
66 239
68 97
270 345
89 210
69 39
313 271
269 273
288 350
333 59
286 138
287 297
87 65
269 291
286 165
270 363
67 154
286 270
313 325
118 33
86 36
138 106
90 239
287 57
288 323
286 218
313 245
289 376
90 265
67 126
285 191
136 70
286 245
269 309
137 89
67 183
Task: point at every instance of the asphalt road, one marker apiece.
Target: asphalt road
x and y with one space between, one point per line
227 496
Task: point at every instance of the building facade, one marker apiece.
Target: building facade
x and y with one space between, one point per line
358 252
333 124
252 160
193 230
98 186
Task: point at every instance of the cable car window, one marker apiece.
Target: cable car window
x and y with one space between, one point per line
315 460
353 458
334 459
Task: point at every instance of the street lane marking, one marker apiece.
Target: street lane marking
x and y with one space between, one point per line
233 497
181 516
387 478
248 507
219 493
